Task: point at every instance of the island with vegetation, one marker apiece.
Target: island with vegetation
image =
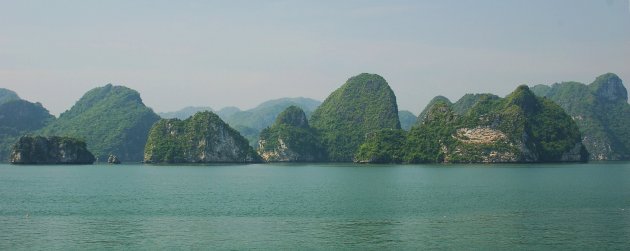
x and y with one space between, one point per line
250 123
358 122
291 139
19 117
601 111
365 103
519 128
202 138
52 150
111 119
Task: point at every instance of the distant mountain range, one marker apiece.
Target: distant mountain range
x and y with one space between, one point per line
250 122
407 119
184 113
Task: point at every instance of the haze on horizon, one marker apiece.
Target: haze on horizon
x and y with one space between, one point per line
242 53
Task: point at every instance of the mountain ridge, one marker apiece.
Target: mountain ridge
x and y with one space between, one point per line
601 111
110 119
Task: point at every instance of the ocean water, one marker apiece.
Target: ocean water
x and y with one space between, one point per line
316 206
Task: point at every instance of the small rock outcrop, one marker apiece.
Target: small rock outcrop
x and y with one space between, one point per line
113 159
52 150
290 139
202 138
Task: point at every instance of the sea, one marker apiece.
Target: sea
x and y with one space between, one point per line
316 207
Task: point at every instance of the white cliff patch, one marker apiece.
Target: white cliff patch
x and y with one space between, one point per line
479 135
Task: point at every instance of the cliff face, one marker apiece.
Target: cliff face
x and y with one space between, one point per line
290 139
53 150
518 128
365 103
112 120
601 111
609 87
202 138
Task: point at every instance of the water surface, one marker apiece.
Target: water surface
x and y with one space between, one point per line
316 206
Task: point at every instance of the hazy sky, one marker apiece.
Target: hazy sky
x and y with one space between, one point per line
241 53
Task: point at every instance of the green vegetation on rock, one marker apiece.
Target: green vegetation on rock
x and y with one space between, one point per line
21 116
111 119
364 104
291 139
7 95
468 101
52 150
384 146
202 138
601 111
424 143
461 107
292 116
435 100
264 115
250 122
518 128
17 118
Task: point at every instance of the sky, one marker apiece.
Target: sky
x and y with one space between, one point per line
242 53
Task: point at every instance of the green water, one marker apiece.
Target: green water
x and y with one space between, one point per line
539 207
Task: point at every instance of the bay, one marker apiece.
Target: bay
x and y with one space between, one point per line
316 206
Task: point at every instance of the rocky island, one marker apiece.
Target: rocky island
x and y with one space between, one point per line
112 119
519 128
359 122
202 138
601 111
365 103
291 139
19 117
52 150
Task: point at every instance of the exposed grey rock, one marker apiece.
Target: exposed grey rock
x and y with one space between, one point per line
113 159
610 87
